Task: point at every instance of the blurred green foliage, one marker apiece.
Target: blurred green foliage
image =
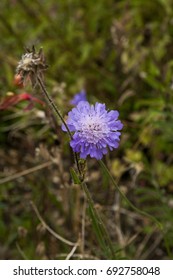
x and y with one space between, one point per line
121 52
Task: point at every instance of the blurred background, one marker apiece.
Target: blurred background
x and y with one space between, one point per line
121 53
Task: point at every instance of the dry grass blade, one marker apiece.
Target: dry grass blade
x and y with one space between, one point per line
25 172
21 252
72 252
57 236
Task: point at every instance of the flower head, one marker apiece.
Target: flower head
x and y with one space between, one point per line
95 129
31 65
81 96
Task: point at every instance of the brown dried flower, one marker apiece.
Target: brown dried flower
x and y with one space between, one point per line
31 65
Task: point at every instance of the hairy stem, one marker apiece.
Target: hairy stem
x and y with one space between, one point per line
53 106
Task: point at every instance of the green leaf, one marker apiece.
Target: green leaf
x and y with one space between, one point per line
75 177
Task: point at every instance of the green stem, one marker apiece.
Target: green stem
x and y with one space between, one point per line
101 226
56 110
126 199
52 104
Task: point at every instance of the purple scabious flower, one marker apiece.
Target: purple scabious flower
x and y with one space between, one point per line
95 129
81 96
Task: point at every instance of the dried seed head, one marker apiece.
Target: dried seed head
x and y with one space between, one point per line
31 65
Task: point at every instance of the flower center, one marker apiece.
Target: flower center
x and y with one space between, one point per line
93 129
